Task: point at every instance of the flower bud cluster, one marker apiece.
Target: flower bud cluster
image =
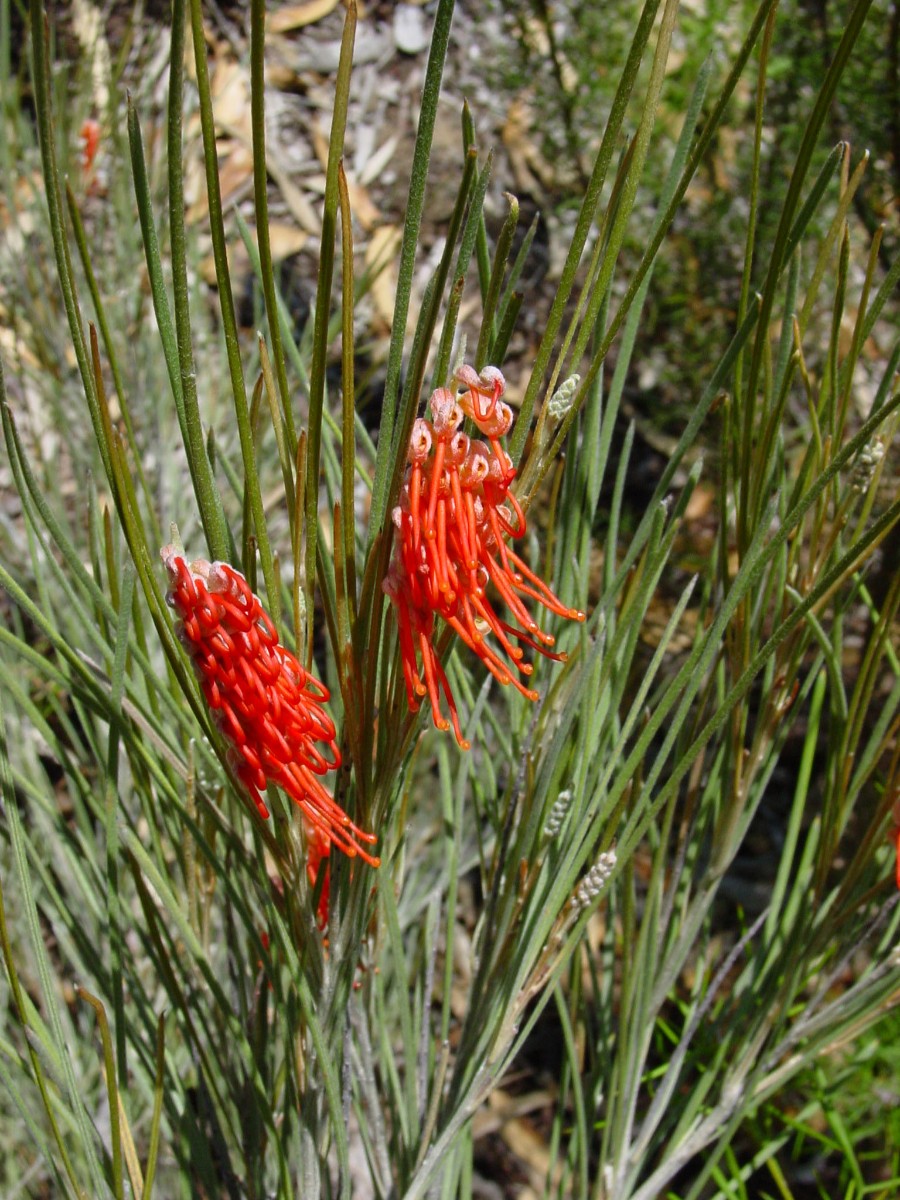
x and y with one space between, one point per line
865 465
594 882
561 400
558 814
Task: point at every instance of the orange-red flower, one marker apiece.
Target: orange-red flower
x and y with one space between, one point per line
268 707
317 852
894 834
455 520
89 136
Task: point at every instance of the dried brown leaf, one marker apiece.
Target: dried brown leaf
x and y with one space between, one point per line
295 16
381 251
362 206
284 241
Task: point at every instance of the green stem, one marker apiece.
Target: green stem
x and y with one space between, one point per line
260 195
209 501
384 464
229 319
323 301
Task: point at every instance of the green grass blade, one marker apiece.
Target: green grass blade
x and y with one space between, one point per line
385 462
218 539
261 202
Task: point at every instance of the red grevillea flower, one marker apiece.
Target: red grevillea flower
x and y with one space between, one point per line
268 707
455 521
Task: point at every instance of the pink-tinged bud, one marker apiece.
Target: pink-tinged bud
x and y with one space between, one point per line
458 449
446 414
493 381
419 441
481 398
477 465
467 377
498 421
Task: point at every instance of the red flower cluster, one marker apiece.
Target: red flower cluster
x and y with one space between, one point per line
268 707
894 834
455 518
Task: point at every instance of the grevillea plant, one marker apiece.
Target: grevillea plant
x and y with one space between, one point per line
311 934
